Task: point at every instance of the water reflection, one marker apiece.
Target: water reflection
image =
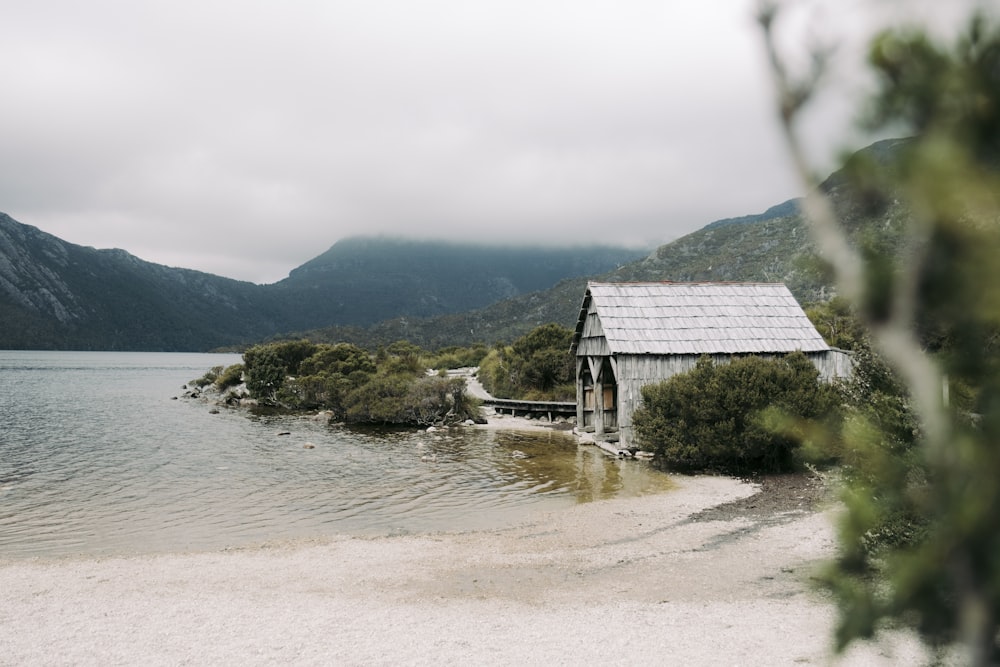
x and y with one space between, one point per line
122 469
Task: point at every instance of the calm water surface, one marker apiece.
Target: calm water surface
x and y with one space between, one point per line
96 458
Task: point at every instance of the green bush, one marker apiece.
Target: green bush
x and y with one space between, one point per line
339 359
265 373
326 377
393 388
746 416
440 400
381 400
837 322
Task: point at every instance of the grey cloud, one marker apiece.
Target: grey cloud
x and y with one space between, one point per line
245 138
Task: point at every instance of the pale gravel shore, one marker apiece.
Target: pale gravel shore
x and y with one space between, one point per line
629 582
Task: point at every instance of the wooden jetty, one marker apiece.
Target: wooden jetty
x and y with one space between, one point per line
550 409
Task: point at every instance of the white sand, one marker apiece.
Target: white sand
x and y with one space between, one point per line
625 582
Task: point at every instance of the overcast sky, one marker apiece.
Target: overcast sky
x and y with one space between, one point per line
245 137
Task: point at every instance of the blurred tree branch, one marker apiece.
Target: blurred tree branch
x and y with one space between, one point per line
947 584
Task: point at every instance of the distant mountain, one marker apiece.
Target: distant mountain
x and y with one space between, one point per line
361 281
774 246
58 295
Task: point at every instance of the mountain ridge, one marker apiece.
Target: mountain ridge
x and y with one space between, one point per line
59 295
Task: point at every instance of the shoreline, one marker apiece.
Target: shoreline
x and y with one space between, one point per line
715 571
648 580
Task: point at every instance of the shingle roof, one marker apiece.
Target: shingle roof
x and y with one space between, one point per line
700 318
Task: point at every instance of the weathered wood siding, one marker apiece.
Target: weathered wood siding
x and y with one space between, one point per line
833 364
636 371
592 341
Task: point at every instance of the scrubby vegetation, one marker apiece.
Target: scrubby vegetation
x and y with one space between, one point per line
882 429
749 415
229 377
210 376
390 387
537 367
837 322
454 356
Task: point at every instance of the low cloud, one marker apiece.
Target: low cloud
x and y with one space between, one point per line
244 139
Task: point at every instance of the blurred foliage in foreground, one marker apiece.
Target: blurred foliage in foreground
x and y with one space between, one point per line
920 541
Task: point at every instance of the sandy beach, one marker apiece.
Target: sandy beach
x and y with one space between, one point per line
708 574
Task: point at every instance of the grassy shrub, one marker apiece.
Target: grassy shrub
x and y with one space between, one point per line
456 357
208 378
400 358
749 415
230 377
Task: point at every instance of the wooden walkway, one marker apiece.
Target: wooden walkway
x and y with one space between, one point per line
509 406
550 409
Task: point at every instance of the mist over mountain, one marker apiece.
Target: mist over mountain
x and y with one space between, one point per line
774 246
58 295
365 280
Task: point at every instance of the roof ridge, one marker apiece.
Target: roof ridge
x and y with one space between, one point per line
684 282
670 317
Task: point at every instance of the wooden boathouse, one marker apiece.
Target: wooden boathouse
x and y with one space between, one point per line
632 334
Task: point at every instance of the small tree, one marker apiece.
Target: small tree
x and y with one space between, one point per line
837 322
265 373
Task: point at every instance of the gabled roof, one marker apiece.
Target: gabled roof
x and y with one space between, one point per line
698 318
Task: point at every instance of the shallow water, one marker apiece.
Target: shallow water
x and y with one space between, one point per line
96 458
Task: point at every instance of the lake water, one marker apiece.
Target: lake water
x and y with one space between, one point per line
97 458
